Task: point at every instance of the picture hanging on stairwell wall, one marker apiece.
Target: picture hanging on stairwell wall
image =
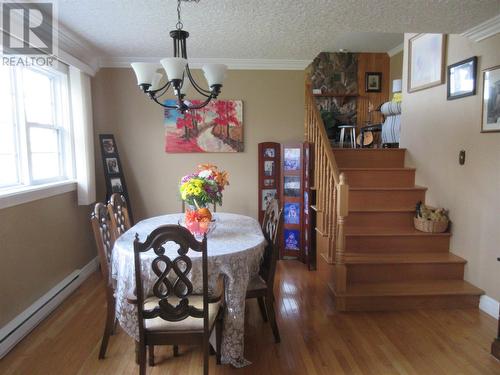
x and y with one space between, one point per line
217 127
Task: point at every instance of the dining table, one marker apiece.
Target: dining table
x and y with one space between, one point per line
235 248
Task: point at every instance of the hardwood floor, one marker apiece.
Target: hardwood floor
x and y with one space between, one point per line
315 339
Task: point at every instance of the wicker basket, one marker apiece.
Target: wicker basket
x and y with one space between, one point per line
430 226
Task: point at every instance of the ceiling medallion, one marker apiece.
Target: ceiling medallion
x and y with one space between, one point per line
178 74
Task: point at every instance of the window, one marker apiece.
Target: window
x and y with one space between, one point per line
35 146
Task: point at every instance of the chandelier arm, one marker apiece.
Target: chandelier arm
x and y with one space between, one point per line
202 104
195 84
165 87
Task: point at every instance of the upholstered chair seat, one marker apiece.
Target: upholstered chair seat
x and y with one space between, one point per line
189 324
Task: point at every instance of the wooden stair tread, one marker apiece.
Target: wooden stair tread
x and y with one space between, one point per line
380 231
407 258
389 169
412 288
382 210
412 188
336 149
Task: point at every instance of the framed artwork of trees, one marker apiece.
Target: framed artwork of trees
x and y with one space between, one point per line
218 127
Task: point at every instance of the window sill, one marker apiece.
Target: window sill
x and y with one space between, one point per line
17 196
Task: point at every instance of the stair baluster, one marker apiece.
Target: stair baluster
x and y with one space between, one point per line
326 181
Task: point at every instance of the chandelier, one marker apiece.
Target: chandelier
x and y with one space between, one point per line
178 74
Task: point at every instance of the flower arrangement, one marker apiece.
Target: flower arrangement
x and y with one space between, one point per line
200 189
203 187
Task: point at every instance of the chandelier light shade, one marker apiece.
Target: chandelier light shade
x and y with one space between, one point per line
214 73
178 74
174 67
144 72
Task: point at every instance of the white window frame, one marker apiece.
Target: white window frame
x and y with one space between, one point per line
28 188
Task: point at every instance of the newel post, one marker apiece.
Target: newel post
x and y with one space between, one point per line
342 212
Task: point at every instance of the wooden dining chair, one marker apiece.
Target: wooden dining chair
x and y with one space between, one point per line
173 315
261 286
104 238
118 213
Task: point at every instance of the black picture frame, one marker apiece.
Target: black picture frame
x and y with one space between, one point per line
113 171
471 65
369 79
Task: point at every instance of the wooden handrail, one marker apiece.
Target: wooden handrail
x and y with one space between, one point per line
316 120
332 190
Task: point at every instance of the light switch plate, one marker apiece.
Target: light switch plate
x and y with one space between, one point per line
461 157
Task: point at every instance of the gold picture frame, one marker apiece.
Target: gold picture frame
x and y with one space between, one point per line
426 61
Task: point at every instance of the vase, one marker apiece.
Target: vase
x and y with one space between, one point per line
199 220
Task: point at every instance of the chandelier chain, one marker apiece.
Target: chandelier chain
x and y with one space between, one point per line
179 24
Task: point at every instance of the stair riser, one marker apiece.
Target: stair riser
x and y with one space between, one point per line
385 199
406 303
370 159
397 244
403 272
367 178
380 219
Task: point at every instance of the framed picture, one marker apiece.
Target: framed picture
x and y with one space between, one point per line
112 165
490 121
217 127
373 82
269 152
116 185
426 61
291 239
291 213
269 168
291 186
267 196
462 79
291 160
268 182
108 145
112 168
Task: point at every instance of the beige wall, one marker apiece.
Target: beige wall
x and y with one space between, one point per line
396 69
434 130
273 110
41 243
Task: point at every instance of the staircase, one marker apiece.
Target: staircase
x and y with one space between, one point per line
364 204
388 264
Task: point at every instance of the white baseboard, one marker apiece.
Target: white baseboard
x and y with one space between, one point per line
24 323
489 306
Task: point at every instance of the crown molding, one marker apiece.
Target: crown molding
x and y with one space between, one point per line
483 30
197 63
396 50
77 52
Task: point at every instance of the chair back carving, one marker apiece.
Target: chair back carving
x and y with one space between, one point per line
172 280
118 212
104 238
271 226
271 221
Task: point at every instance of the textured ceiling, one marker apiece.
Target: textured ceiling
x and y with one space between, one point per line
264 29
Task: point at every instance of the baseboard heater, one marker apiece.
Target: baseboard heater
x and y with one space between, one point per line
24 323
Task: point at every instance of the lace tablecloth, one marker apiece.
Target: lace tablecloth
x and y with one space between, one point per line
235 249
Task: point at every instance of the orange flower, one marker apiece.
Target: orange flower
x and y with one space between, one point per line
222 178
208 166
191 216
